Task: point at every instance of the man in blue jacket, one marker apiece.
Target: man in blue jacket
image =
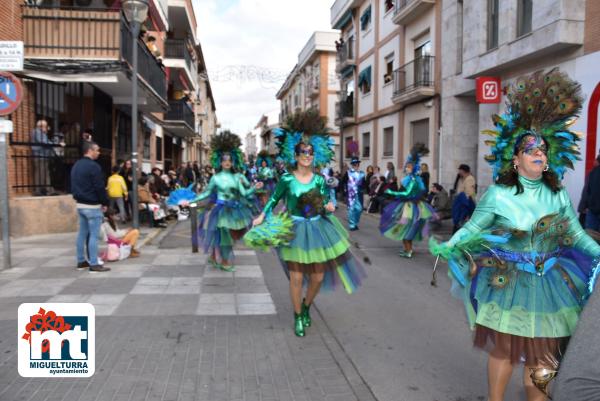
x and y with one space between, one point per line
88 189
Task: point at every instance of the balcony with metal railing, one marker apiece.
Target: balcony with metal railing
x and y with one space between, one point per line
407 11
180 119
414 81
71 40
345 55
177 55
344 112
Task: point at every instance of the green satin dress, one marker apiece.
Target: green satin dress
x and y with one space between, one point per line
320 243
231 215
523 269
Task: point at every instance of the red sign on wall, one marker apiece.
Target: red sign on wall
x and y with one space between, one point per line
488 90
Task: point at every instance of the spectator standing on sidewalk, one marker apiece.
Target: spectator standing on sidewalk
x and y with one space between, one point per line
592 217
42 152
117 192
87 186
464 201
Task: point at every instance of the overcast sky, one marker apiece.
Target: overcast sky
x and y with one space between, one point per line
250 46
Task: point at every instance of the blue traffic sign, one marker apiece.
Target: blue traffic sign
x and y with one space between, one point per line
11 93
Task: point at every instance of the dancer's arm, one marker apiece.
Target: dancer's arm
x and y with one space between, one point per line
405 192
280 190
210 188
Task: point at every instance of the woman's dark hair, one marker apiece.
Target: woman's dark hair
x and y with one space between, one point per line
438 186
142 181
115 169
110 212
511 179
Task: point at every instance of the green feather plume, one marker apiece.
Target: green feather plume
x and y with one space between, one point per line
544 104
276 231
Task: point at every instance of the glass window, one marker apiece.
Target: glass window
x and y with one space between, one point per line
147 137
492 34
365 19
348 142
524 16
159 156
364 80
388 75
388 141
420 132
388 5
366 144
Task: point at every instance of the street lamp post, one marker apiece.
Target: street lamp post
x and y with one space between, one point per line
135 11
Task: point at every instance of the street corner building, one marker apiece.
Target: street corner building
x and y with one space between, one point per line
77 78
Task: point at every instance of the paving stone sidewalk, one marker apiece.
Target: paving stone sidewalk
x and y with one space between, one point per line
170 328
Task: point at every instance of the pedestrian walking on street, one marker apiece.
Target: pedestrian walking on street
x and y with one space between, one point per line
313 243
87 186
356 186
406 218
522 262
117 192
231 216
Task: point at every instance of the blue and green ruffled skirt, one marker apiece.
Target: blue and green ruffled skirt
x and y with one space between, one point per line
220 227
533 314
321 245
406 219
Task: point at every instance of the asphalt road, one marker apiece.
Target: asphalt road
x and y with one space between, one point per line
408 340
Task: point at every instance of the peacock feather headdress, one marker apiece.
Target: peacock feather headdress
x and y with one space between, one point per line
309 128
264 155
543 106
226 143
414 157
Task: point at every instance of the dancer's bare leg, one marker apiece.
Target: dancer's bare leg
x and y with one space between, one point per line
316 279
296 279
499 369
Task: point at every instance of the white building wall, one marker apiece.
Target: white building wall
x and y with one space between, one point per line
386 25
331 101
416 30
386 91
366 101
333 83
366 37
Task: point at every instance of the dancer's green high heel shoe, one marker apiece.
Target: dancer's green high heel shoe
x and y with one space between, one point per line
306 320
298 325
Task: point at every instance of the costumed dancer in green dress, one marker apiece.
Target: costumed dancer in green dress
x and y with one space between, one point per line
265 174
311 242
522 263
230 193
407 217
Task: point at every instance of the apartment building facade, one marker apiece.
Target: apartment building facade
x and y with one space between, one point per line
78 77
313 82
389 76
507 39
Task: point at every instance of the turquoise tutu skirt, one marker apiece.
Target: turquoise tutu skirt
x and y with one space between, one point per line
320 245
405 219
219 228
